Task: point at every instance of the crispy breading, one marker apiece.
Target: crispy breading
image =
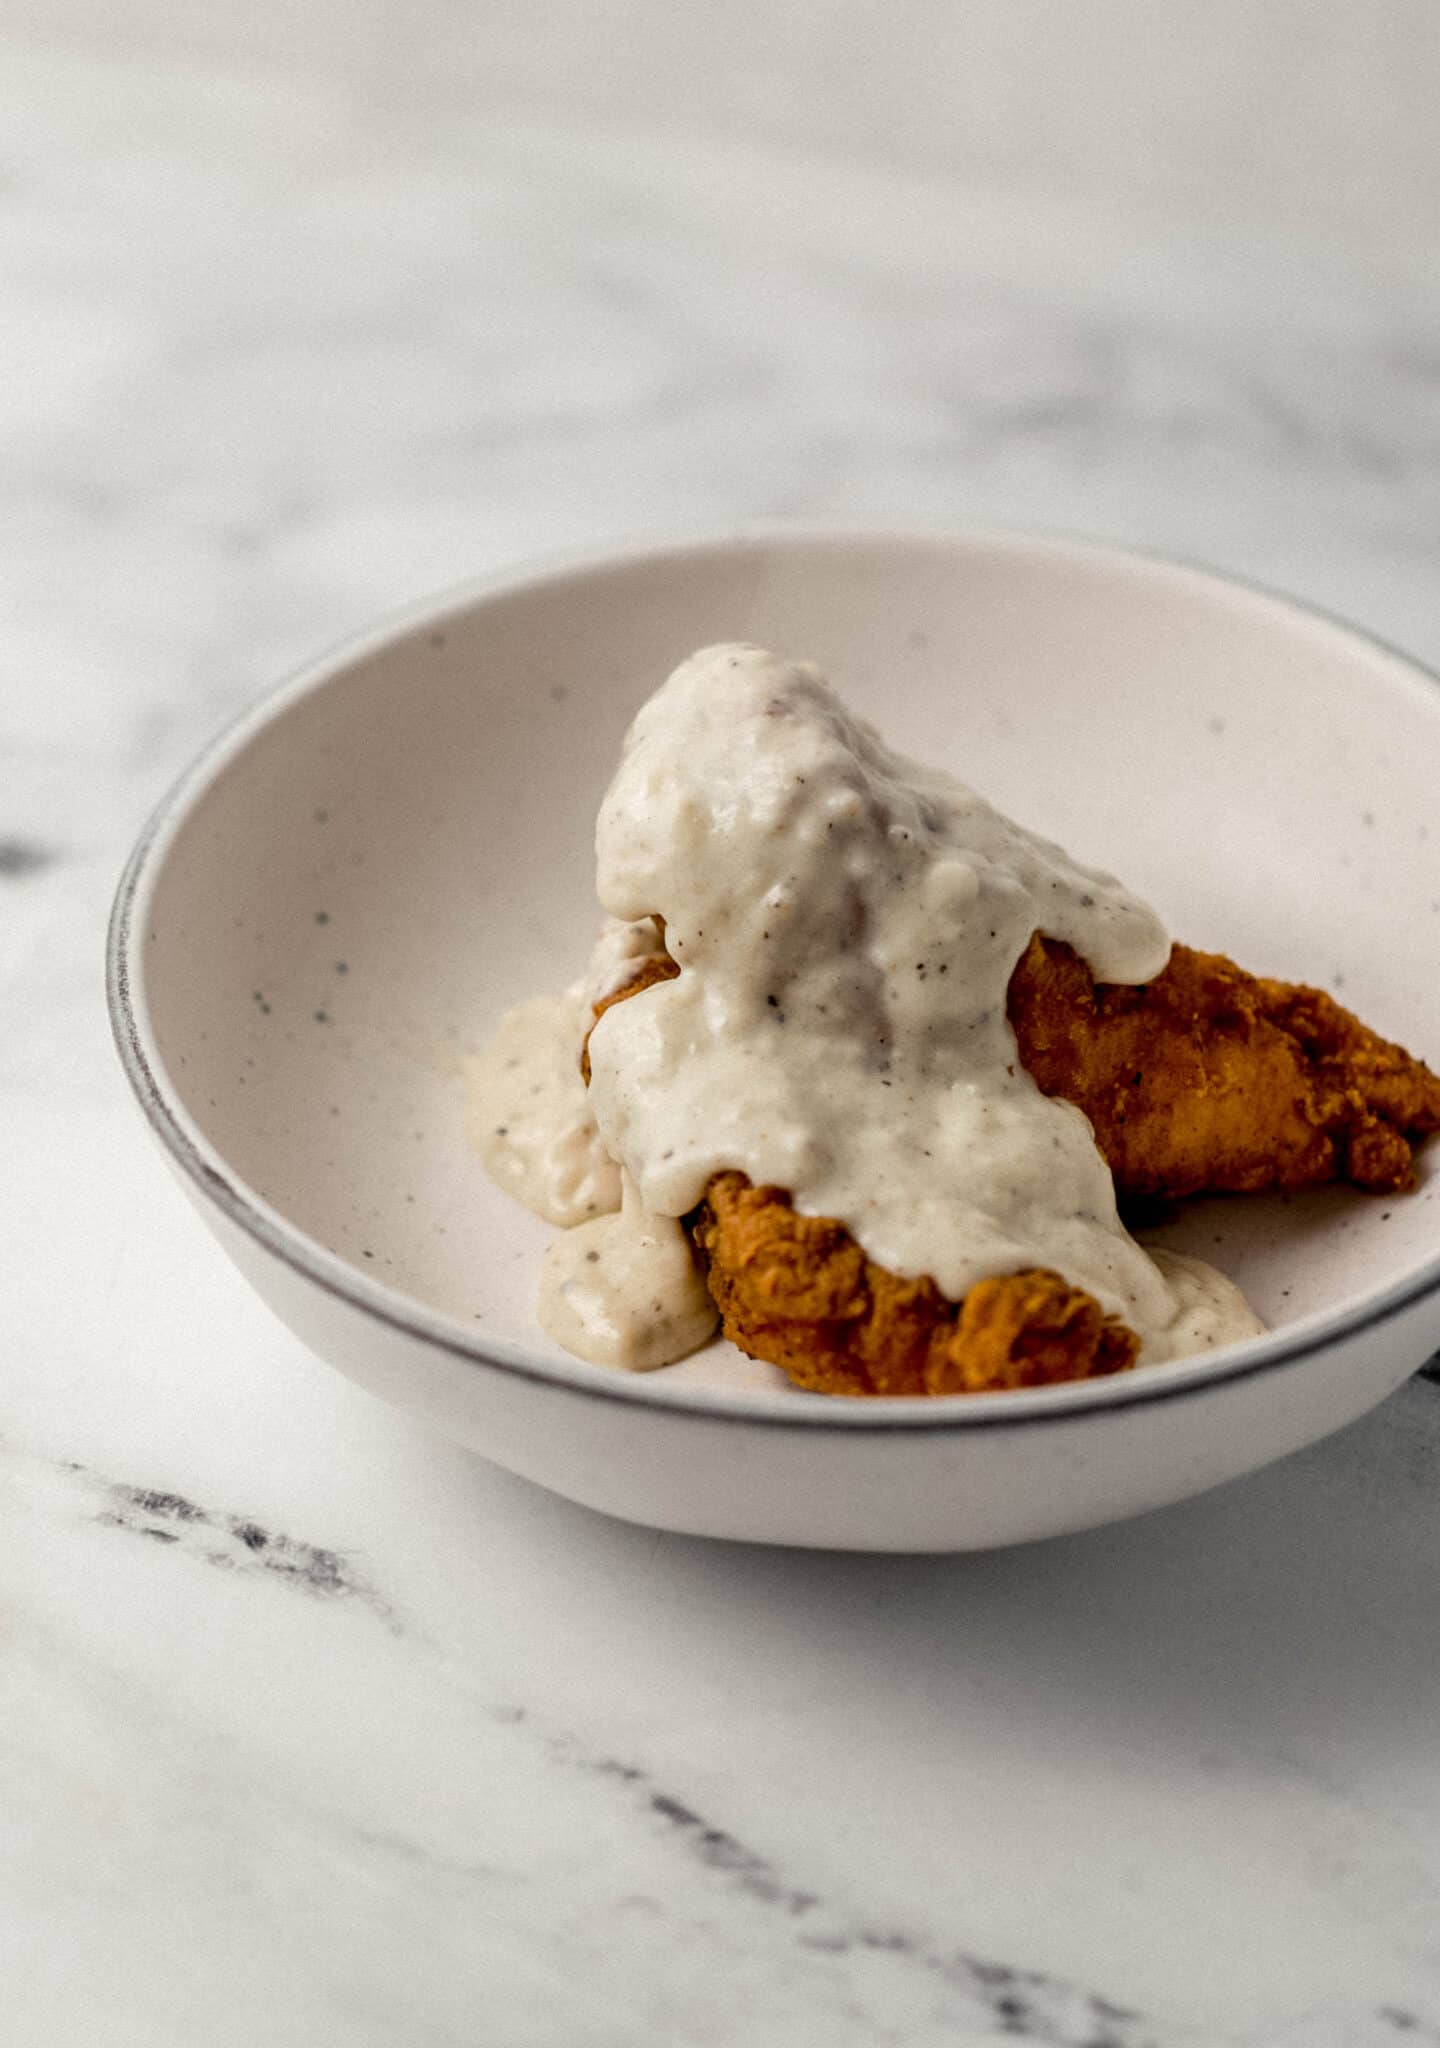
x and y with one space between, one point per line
1209 1080
799 1292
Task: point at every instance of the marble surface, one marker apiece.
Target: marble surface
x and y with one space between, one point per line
316 1730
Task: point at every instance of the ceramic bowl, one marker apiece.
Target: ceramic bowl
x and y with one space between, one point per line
343 894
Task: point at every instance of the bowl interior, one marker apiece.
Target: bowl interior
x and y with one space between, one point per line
392 854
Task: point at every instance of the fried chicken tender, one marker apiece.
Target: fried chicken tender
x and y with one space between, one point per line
799 1292
1209 1080
1204 1080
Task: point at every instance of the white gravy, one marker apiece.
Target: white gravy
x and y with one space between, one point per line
528 1115
624 1290
846 922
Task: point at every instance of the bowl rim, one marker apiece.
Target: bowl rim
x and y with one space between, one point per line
206 1170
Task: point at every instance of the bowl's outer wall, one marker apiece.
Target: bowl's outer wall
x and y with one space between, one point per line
900 1491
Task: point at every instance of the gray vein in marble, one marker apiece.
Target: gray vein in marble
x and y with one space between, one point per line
1026 2004
235 1543
20 858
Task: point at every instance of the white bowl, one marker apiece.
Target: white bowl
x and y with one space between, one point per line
346 890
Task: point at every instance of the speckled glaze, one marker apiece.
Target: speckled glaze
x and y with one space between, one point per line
344 893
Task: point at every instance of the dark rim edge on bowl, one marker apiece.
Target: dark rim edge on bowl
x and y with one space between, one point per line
335 1276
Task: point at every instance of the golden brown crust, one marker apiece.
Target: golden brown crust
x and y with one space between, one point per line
1209 1080
799 1292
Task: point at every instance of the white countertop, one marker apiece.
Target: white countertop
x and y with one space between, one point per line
315 1731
